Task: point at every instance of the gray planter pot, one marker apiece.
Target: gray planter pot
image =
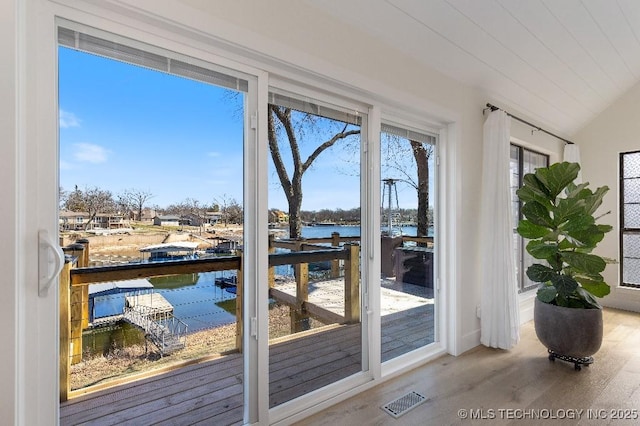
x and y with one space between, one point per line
570 332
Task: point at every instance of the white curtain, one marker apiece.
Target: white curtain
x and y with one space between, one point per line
572 155
500 319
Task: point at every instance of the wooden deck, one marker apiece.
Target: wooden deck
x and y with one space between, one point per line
211 392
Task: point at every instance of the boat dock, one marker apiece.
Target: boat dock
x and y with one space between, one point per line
153 301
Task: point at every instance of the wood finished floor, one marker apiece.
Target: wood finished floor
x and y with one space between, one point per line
210 393
521 380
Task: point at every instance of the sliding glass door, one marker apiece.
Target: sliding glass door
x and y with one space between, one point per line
408 249
315 320
153 223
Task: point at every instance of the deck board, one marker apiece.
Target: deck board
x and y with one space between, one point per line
211 392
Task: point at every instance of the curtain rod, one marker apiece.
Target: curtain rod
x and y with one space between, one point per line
493 108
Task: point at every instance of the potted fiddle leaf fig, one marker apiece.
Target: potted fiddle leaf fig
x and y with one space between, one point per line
560 225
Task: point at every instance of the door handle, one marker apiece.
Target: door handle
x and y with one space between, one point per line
50 262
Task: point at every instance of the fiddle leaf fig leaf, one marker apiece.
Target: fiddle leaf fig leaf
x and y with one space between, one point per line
588 299
565 284
588 263
597 288
547 294
533 190
541 250
540 273
537 214
567 210
595 200
557 176
530 230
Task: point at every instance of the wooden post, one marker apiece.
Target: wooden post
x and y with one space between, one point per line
75 308
299 317
335 264
83 262
239 304
65 331
272 270
75 321
352 284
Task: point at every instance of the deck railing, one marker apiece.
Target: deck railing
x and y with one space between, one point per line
76 276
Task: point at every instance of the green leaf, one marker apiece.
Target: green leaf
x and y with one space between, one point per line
537 214
568 209
583 262
557 176
568 243
593 202
541 250
589 301
530 230
596 288
578 223
540 273
533 190
587 238
574 190
547 294
565 285
604 228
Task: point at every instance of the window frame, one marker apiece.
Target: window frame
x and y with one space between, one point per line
521 243
623 229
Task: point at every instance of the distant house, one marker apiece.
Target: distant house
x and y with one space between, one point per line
79 221
209 218
166 220
148 215
278 216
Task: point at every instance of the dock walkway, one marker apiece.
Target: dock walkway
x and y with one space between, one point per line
152 313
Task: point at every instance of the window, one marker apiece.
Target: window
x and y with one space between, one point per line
523 161
630 218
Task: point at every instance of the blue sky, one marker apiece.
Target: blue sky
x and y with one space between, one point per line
126 127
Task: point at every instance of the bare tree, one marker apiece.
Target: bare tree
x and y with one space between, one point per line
231 210
291 181
137 199
421 154
91 200
414 173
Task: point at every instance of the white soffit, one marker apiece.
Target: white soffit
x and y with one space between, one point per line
559 63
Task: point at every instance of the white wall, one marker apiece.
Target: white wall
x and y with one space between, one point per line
615 130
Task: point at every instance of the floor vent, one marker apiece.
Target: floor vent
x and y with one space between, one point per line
403 404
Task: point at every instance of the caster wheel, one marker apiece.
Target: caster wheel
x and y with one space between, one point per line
552 358
578 367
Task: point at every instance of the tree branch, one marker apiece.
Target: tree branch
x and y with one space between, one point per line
275 153
343 134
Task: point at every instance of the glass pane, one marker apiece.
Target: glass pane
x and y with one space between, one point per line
631 216
631 165
151 174
631 266
631 190
315 332
531 160
408 252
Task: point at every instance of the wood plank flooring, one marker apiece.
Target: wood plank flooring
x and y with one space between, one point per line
522 382
211 392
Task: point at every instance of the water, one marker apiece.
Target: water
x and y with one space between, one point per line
350 231
202 304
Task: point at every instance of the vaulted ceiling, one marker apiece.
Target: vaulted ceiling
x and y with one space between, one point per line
558 62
